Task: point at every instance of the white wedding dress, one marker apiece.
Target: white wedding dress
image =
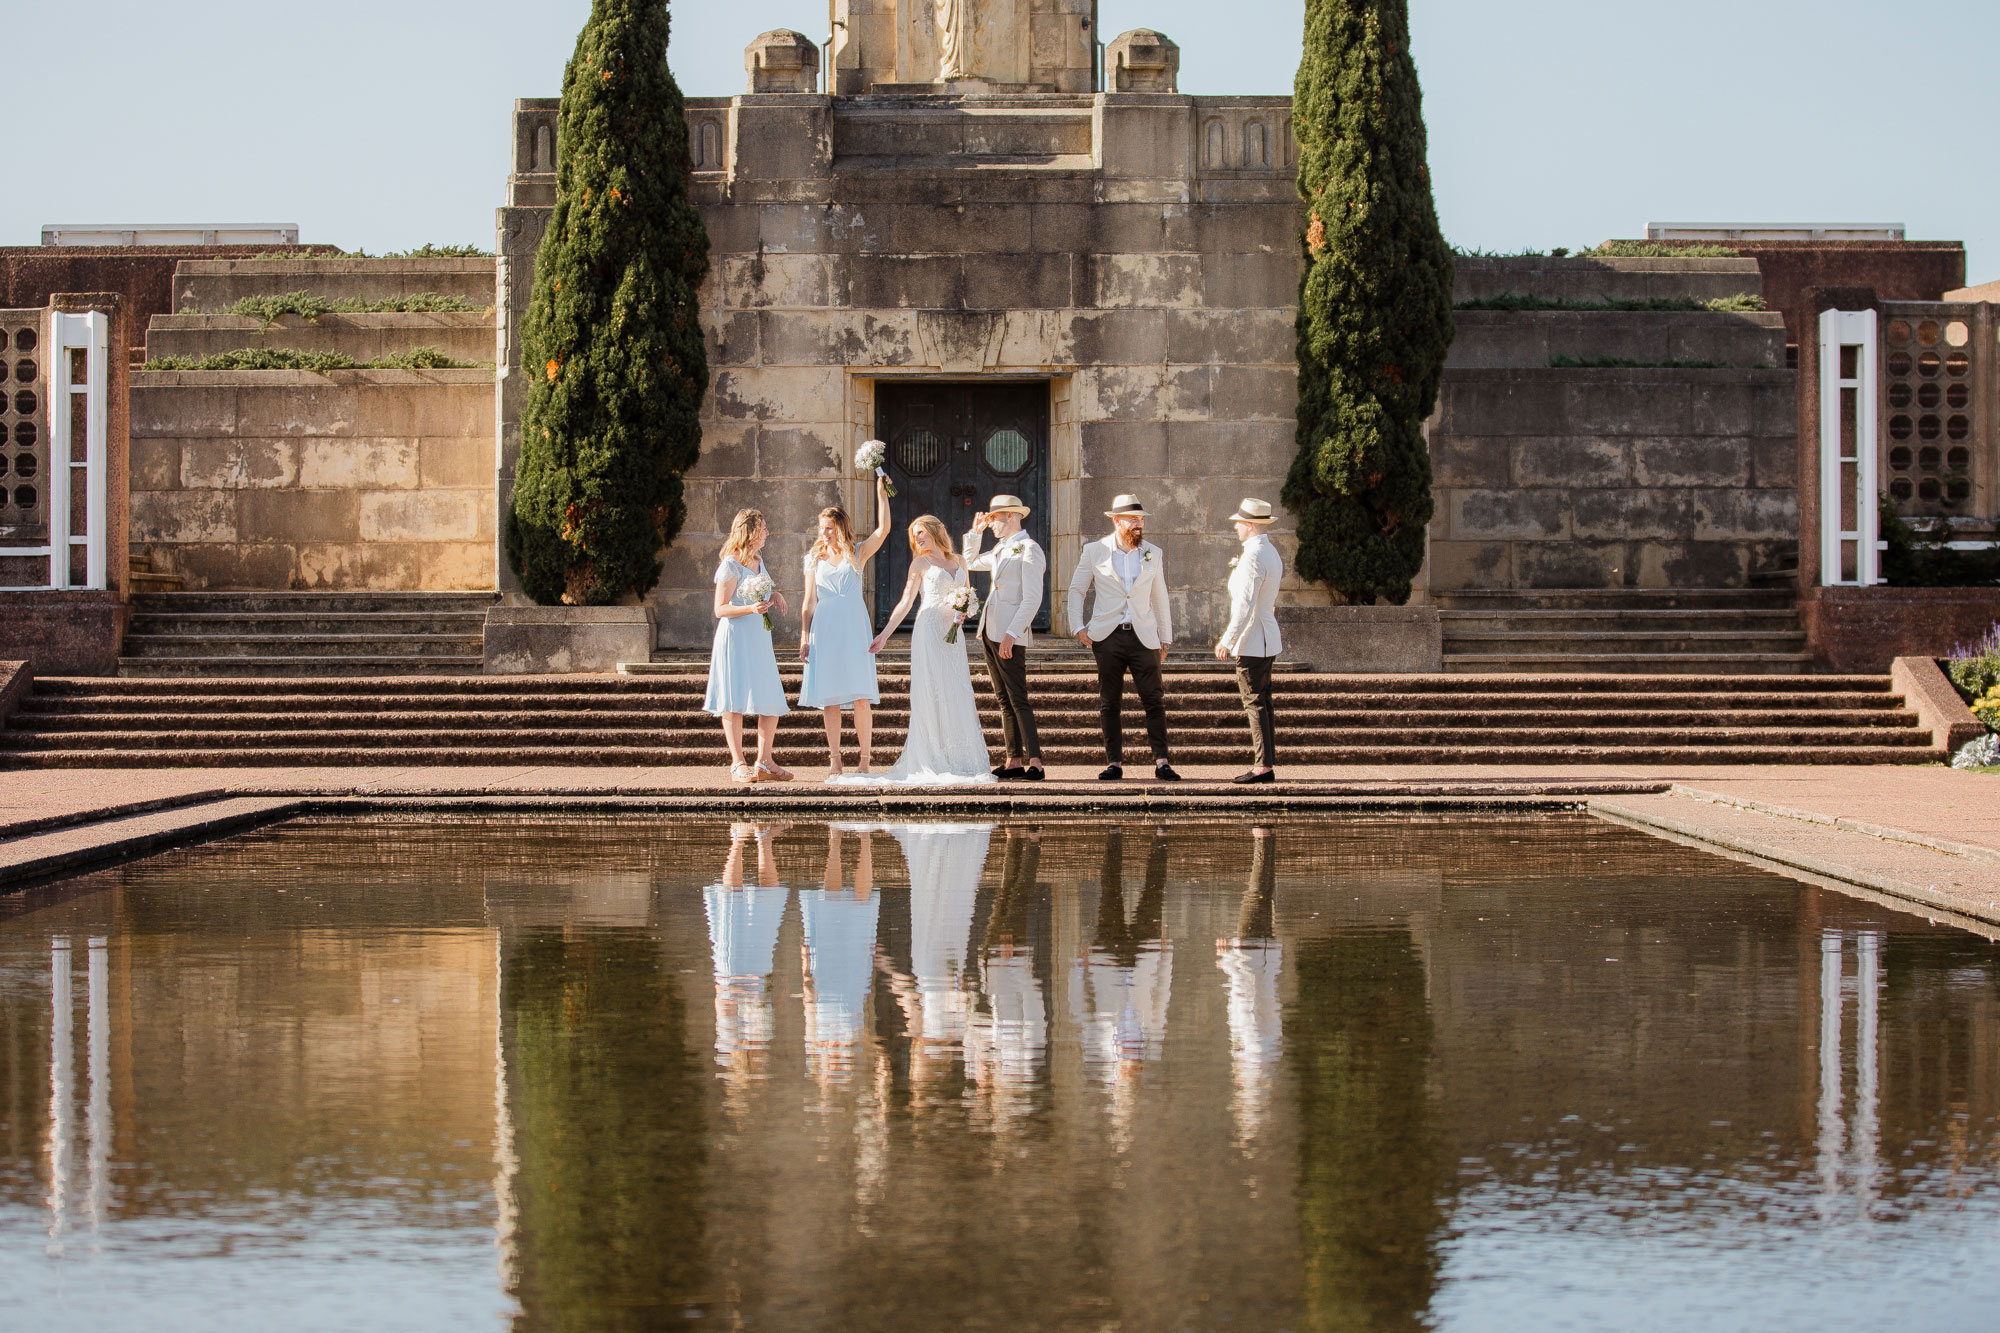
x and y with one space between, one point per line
945 747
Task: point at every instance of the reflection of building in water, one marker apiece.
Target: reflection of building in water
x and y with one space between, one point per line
1251 962
1120 992
1849 1165
59 1147
743 925
1007 1041
839 955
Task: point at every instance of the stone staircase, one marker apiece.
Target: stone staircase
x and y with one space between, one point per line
653 717
293 634
1625 631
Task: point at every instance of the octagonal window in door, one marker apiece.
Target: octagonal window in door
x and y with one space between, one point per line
919 453
1006 451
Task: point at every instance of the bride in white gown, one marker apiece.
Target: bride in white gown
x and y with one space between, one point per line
945 747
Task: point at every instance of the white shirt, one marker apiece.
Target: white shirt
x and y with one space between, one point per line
1126 565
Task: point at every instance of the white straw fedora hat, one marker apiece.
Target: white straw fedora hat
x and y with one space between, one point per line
1252 511
1127 506
1007 504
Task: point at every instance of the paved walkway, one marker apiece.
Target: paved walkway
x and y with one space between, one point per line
1927 836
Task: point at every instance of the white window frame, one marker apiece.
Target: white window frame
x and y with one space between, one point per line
1839 329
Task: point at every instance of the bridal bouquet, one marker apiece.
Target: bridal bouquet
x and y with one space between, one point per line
758 588
963 601
869 459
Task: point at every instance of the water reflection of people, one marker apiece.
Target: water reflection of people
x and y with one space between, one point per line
839 958
1007 1039
945 862
743 926
1119 993
1250 963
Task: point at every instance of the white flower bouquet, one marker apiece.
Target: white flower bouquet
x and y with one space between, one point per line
869 458
758 588
963 602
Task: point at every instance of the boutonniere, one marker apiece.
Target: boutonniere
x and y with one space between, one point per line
1147 559
1233 560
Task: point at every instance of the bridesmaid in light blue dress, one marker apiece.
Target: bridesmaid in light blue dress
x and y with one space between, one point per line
834 632
743 668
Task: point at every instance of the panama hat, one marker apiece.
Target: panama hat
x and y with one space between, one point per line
1127 506
1007 504
1252 511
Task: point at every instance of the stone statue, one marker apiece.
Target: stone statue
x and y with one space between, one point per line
956 22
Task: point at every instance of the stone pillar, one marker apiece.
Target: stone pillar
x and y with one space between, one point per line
1142 61
782 61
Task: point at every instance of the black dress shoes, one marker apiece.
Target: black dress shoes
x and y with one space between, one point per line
1165 773
1031 774
1004 773
1245 779
1111 773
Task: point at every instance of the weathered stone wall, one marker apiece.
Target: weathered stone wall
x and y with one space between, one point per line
1612 478
376 479
1138 252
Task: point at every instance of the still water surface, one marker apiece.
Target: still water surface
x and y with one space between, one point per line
1355 1074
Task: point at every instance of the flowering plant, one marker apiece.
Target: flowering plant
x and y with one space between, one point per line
758 588
869 458
963 601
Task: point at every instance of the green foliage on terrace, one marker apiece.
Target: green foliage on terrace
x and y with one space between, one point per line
612 343
1918 557
1374 320
1740 303
308 306
1656 250
287 358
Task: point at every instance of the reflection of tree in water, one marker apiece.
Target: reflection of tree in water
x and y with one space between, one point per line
607 1125
1372 1167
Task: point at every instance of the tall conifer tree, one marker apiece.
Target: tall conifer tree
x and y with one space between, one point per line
612 342
1374 318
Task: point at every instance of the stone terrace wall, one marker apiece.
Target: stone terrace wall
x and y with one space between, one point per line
375 479
1138 251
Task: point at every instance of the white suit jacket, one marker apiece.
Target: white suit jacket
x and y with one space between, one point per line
1152 613
1253 600
1019 570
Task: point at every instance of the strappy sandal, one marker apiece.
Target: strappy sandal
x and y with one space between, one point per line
743 773
772 773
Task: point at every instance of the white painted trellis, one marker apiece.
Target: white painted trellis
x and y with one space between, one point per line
1848 449
76 354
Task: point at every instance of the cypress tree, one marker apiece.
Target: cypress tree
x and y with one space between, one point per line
612 342
1374 318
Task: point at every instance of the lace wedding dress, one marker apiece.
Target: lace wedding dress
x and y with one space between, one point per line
945 747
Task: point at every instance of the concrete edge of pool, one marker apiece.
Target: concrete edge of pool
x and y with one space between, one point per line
1907 868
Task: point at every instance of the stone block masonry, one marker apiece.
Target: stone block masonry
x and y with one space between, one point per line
358 479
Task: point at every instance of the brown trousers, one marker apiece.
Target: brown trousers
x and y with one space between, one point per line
1010 683
1253 683
1117 653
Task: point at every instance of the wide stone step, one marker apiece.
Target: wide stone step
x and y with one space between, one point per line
1530 339
217 284
803 755
461 336
1616 599
1637 664
205 625
309 603
386 664
1639 620
1646 643
301 645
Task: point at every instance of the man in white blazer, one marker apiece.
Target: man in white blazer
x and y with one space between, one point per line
1019 570
1252 636
1130 628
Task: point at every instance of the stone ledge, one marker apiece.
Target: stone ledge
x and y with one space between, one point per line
285 379
1865 629
75 633
1363 639
1934 699
560 640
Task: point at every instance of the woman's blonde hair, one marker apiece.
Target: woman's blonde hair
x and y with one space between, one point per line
741 530
940 539
843 535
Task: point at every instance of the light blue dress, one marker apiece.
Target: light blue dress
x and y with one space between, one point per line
839 667
743 668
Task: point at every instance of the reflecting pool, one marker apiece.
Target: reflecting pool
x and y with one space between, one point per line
1358 1073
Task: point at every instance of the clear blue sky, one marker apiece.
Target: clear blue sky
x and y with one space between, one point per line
383 123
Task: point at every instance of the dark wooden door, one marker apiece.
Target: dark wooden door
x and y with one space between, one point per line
952 448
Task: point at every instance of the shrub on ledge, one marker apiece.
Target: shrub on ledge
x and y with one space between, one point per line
287 358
